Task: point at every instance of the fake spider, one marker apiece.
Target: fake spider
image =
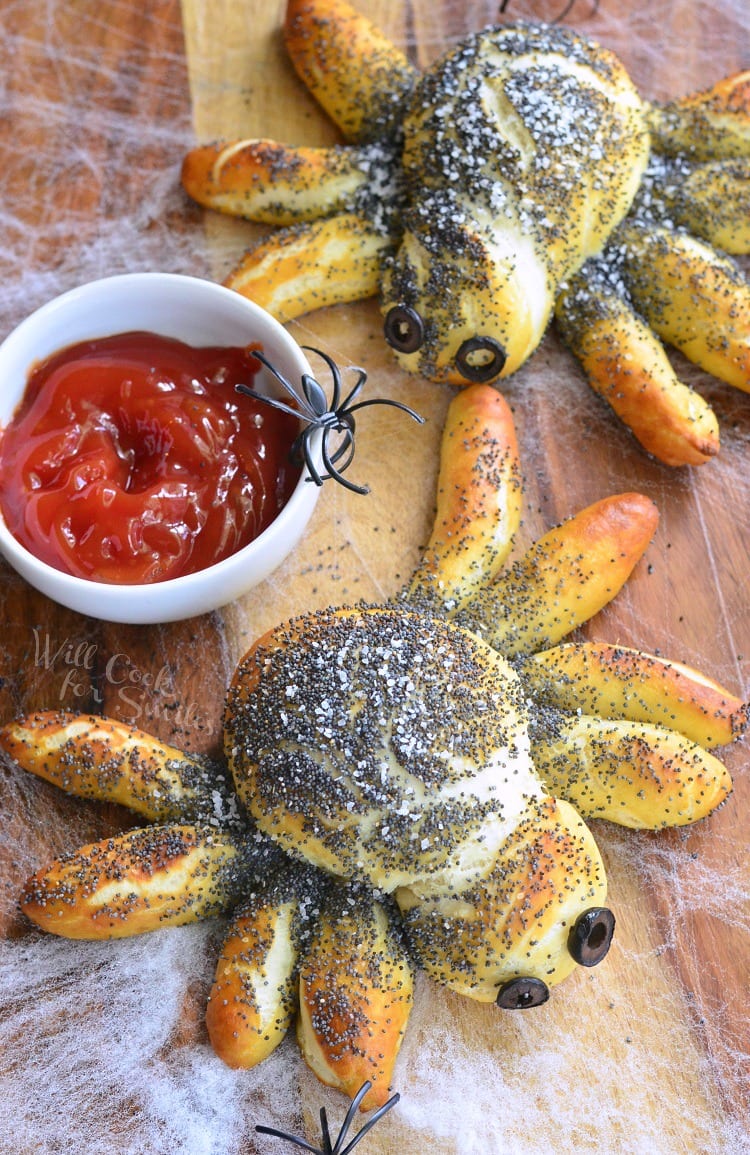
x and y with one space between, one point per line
335 422
520 178
570 5
329 1148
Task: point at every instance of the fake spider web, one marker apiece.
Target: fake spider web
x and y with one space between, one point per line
103 1048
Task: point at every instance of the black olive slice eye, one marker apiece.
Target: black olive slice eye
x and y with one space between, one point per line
518 994
404 329
590 938
480 359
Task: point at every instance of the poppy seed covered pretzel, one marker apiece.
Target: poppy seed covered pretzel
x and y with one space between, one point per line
101 758
521 175
341 750
269 183
478 500
355 997
564 578
327 42
620 682
345 754
323 263
139 881
404 787
627 365
524 149
254 996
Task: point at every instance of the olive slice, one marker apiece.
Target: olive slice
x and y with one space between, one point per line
518 994
590 938
404 329
480 359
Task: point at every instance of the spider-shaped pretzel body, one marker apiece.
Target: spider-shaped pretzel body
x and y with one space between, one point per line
521 177
409 782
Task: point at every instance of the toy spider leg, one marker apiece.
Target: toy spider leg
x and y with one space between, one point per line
337 418
336 1149
570 5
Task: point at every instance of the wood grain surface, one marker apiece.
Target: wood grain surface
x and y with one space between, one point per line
647 1053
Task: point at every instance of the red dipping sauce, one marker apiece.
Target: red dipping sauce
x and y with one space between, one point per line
132 459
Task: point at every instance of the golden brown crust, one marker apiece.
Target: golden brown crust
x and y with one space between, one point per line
96 757
616 682
272 183
356 991
493 293
711 201
311 266
705 125
633 773
254 994
516 921
627 366
136 882
478 499
564 578
692 297
353 71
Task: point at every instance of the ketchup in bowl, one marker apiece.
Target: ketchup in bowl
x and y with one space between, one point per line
131 459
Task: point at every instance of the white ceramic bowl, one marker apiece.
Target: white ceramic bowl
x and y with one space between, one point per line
200 313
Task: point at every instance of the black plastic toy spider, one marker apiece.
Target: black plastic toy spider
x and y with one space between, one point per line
337 420
505 5
336 1149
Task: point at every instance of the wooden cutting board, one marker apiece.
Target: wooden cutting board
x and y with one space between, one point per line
103 1048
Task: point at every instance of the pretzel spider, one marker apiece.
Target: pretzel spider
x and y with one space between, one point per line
409 783
521 177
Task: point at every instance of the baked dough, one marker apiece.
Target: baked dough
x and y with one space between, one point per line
405 789
522 175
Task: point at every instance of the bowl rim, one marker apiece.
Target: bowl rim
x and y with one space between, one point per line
298 508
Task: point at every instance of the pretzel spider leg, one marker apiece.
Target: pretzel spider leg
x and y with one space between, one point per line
254 996
634 773
706 125
273 183
479 497
565 578
312 265
711 200
634 751
692 297
105 760
677 288
610 681
140 881
625 363
194 864
358 77
356 992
